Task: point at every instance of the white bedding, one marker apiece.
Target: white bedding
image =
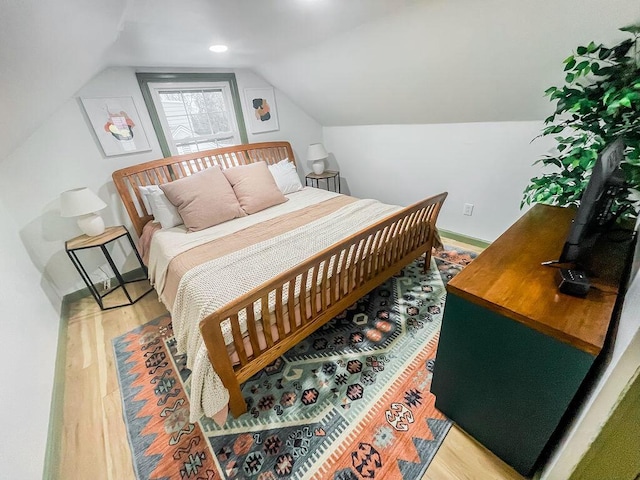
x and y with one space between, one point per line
168 243
239 272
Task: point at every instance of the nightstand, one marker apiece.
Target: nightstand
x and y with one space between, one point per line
313 179
111 234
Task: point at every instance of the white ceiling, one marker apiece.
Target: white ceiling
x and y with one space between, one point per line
178 33
345 62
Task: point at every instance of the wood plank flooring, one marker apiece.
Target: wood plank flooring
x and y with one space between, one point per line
94 442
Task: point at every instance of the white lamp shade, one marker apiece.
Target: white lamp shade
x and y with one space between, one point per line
316 151
83 203
316 154
79 201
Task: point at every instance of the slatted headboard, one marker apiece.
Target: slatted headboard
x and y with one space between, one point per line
157 172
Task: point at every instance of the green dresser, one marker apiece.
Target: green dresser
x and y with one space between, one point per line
513 350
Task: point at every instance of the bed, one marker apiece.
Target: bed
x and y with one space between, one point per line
243 292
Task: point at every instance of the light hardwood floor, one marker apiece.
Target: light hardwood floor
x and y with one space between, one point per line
93 440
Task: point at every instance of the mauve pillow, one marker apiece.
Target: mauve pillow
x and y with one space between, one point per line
203 199
254 187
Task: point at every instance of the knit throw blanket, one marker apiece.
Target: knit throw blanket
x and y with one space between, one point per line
206 288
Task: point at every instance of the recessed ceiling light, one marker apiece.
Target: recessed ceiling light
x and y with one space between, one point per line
218 48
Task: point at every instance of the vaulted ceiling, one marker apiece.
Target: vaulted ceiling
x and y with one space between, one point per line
345 62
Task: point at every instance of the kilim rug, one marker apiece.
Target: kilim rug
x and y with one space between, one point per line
351 401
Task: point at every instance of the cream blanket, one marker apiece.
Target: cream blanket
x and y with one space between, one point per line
236 274
168 243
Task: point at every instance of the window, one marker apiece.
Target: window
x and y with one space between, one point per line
193 112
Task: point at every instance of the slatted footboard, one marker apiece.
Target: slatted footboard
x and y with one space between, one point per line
299 301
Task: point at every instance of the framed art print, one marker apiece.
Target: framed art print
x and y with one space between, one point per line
263 115
117 125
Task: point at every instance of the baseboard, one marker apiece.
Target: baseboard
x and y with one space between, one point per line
476 242
56 421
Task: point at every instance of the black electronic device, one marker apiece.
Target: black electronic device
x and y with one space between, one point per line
572 282
595 214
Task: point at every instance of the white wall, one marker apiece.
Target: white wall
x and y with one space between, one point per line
485 164
30 332
296 126
64 154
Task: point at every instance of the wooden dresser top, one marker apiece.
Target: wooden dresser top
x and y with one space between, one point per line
508 278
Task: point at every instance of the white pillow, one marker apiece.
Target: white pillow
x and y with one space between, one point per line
163 210
145 191
286 176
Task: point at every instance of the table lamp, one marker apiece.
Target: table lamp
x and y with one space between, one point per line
316 154
83 203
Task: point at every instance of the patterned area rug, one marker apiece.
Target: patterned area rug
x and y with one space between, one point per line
352 401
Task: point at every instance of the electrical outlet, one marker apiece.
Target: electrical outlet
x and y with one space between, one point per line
467 209
101 276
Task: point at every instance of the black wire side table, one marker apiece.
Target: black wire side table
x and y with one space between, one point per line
101 241
313 179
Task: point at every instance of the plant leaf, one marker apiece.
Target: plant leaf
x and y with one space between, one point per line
635 29
589 112
619 51
582 65
604 53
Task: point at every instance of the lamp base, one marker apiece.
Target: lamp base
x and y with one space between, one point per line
317 167
91 224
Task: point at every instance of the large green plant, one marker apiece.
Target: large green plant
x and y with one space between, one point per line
599 102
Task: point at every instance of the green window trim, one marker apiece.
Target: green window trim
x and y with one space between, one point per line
145 78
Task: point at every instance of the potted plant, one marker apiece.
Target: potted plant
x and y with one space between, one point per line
599 101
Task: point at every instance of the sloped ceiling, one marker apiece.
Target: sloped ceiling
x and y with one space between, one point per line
48 50
345 62
448 61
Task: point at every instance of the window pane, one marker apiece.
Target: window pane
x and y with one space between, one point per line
199 146
187 148
214 100
201 125
171 96
194 102
199 116
220 122
172 104
180 127
226 142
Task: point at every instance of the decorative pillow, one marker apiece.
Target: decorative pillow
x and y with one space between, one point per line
286 176
203 199
145 191
162 209
254 187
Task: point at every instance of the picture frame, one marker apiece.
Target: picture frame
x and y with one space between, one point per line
116 125
262 112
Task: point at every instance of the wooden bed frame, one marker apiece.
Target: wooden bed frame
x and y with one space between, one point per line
330 281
